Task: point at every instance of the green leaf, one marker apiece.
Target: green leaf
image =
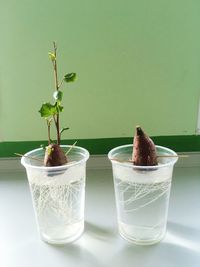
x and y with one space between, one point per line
52 56
58 95
70 77
47 110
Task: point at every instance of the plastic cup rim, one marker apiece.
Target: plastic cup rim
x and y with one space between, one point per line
55 168
130 165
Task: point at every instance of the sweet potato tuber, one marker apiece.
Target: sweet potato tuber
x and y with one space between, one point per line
144 151
54 156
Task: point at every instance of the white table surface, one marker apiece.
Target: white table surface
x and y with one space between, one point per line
100 245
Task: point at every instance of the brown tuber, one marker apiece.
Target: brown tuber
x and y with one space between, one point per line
54 156
144 150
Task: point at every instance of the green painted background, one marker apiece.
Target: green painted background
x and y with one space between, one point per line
138 62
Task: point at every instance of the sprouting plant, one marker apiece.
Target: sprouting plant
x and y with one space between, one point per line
54 156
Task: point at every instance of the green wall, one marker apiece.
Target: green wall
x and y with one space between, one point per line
138 62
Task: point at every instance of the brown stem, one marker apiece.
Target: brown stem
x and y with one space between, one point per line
57 124
49 135
58 129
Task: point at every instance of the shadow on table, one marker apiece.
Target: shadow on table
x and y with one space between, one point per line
75 254
91 247
100 233
101 247
180 247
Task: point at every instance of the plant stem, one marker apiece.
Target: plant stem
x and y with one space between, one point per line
61 83
55 66
57 124
58 129
49 127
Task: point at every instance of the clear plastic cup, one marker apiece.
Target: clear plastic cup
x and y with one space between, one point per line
142 194
58 194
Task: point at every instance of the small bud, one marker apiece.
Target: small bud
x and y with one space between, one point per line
52 56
